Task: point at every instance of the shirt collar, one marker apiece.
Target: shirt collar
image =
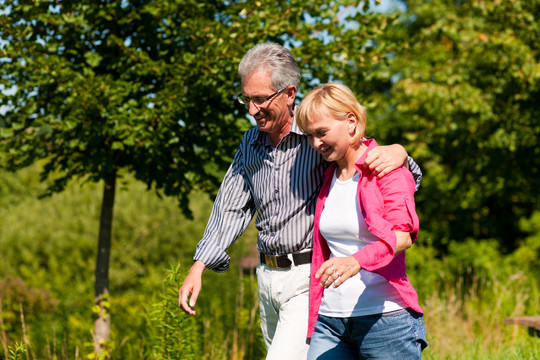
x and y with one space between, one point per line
370 143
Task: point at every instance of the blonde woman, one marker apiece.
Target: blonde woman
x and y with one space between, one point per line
362 305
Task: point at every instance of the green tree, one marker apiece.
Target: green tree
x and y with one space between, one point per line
98 89
463 89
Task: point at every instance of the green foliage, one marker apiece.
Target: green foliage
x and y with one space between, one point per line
476 265
16 351
50 245
102 86
18 301
146 89
177 335
98 90
148 86
226 325
466 295
463 98
144 311
527 254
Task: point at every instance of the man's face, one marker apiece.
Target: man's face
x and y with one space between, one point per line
273 114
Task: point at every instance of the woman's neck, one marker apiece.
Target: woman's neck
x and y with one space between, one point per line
345 167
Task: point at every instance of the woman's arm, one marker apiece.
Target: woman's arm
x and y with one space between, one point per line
403 241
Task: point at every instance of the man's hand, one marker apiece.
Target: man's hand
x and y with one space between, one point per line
383 159
191 288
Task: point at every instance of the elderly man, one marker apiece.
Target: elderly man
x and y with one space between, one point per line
276 174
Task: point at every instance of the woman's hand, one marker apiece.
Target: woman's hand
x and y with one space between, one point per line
337 270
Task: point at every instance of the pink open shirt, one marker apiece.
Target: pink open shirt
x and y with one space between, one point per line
387 205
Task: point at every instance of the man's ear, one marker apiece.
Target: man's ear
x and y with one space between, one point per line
291 94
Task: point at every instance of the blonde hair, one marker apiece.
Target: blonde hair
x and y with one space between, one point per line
339 101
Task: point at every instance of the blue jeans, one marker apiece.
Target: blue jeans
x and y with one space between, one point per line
397 335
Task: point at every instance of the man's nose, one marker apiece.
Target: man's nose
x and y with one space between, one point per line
252 108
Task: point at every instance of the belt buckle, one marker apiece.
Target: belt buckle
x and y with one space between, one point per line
270 261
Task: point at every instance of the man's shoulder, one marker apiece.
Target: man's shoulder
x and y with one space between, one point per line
252 132
251 135
251 141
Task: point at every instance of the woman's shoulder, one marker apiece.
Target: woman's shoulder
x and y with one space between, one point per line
399 179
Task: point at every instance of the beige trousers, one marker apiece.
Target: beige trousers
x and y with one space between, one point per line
284 305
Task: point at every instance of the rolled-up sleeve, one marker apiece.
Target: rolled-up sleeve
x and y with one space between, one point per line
395 213
398 195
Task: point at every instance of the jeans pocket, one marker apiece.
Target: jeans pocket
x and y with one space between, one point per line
394 313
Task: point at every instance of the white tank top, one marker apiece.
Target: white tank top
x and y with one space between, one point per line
346 232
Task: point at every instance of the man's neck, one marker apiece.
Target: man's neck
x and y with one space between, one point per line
275 137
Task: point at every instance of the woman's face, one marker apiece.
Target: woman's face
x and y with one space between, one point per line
330 136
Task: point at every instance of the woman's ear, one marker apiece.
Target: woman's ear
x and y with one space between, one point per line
352 123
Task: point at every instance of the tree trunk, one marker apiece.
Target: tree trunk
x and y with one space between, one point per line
102 321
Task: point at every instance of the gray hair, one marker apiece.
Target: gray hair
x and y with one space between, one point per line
274 58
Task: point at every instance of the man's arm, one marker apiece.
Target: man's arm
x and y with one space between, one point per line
231 215
384 159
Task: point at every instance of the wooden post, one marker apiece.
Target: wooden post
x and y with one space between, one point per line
532 322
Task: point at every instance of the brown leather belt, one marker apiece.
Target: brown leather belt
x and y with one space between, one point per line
284 261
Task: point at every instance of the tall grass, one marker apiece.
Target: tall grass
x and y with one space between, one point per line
465 323
48 247
227 325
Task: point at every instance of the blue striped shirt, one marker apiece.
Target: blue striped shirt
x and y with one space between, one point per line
280 185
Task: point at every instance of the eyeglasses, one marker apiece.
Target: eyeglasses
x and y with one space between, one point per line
258 100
